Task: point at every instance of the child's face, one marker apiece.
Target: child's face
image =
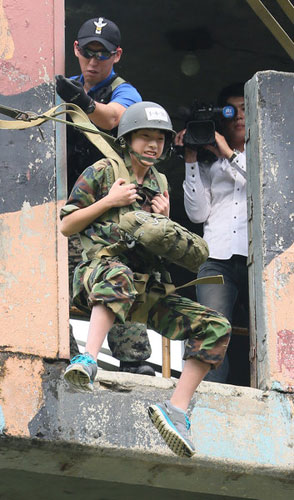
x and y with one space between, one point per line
148 143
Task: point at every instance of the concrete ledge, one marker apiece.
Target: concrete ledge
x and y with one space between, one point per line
243 436
132 467
129 381
244 425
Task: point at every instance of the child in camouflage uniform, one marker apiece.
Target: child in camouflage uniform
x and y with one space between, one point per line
110 285
129 342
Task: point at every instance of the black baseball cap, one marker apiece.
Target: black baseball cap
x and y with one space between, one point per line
100 30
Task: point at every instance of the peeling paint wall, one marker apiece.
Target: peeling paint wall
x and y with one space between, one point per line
26 65
32 250
33 274
21 393
245 425
243 438
270 147
28 284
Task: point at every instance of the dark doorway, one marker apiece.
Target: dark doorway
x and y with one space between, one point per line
179 51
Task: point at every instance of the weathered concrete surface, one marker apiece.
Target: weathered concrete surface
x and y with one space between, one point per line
23 485
244 438
270 153
244 425
29 286
33 277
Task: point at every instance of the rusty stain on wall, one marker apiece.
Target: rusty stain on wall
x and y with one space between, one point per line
285 350
279 294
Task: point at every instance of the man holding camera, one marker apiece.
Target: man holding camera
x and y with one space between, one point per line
216 196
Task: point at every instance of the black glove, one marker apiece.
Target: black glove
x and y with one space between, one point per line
73 91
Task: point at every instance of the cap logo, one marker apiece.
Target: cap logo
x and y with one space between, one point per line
156 114
99 26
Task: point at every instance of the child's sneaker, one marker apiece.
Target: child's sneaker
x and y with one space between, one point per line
173 425
81 372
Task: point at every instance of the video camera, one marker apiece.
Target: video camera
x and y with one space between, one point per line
202 121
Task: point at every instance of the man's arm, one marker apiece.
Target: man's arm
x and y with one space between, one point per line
197 198
197 193
107 116
239 163
223 150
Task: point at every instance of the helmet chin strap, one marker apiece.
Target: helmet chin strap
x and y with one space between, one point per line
128 150
139 157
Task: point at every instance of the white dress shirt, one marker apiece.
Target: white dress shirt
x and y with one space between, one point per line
216 196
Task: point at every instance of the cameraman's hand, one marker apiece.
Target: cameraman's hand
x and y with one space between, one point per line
73 91
179 138
190 154
222 149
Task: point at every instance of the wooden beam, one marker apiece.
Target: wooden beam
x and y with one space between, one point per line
165 357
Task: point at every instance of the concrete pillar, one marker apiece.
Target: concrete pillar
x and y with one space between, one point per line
33 274
270 154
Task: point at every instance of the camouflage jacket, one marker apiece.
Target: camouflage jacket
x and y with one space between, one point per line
92 185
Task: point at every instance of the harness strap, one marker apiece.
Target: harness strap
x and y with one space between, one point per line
107 145
15 113
160 290
80 120
104 142
118 80
145 301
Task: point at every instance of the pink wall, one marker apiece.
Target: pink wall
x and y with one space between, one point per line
31 43
33 272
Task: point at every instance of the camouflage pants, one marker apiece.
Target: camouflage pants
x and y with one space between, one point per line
128 342
111 282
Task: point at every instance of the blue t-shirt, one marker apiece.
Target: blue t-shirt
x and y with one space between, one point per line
80 151
125 94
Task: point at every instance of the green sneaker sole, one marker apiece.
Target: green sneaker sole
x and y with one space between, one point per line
77 377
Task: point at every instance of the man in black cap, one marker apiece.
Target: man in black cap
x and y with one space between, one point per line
98 90
104 96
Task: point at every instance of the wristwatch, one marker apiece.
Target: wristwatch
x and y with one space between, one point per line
91 107
234 155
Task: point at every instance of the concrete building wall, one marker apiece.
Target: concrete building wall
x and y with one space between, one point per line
270 146
33 275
